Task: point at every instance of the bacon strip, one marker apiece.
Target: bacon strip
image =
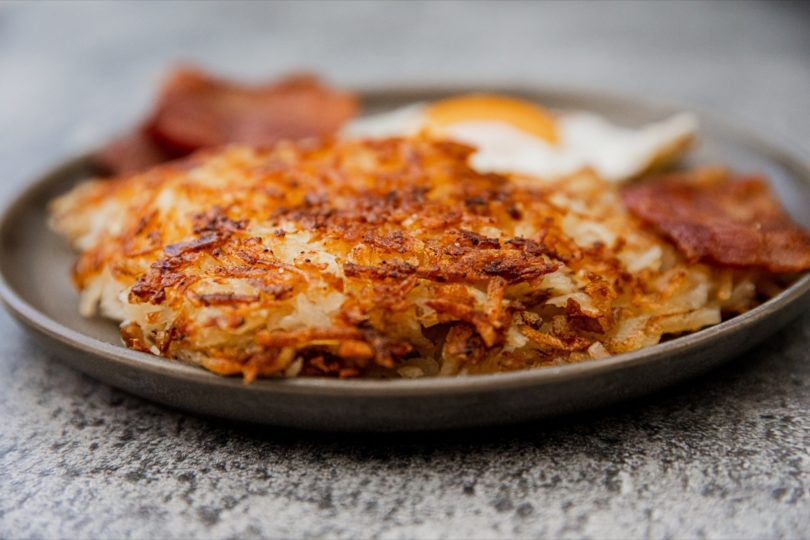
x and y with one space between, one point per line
199 111
195 110
130 154
725 220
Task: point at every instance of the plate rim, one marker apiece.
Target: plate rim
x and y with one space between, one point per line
768 143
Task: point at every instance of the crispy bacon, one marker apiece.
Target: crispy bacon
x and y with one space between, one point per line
195 110
198 111
131 153
724 220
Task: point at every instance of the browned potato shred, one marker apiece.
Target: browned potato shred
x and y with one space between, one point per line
379 258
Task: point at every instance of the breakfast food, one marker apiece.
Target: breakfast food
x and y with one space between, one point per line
517 138
716 219
396 250
196 110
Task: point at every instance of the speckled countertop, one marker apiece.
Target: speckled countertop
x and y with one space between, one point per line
726 455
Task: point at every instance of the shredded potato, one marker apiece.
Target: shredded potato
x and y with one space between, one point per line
384 258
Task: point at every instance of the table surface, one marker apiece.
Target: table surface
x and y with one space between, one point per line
726 455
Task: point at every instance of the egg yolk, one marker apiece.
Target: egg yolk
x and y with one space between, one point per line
520 114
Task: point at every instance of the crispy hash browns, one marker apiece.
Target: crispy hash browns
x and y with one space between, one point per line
379 258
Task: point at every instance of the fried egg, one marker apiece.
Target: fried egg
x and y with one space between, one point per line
512 136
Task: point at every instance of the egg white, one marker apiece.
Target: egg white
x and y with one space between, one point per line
585 140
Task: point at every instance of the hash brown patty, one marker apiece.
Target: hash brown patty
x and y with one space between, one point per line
390 258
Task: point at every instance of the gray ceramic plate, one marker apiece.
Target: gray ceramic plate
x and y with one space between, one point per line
34 284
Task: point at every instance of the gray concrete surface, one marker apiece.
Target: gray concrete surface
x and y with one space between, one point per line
727 455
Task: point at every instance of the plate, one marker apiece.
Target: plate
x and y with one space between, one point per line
35 287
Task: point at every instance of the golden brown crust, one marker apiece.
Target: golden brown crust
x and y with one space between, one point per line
376 258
